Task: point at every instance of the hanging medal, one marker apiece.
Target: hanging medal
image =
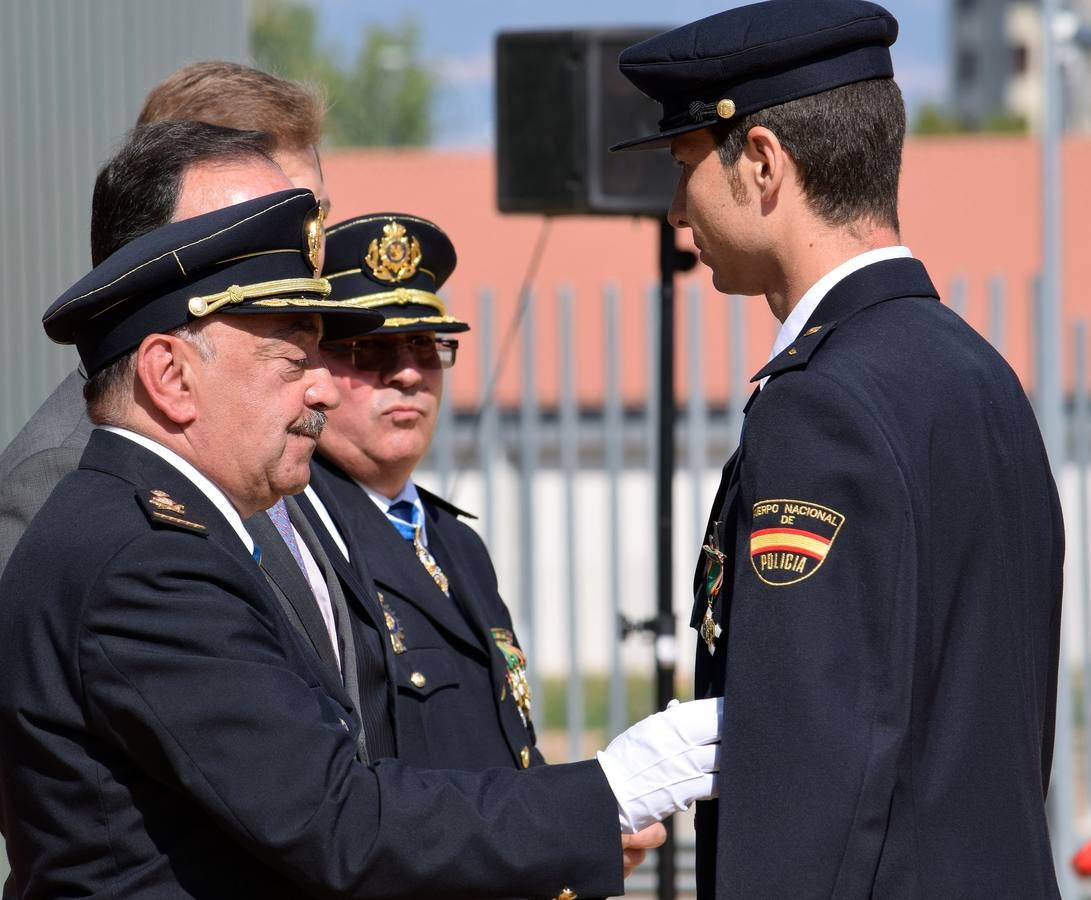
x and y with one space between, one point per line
516 663
714 581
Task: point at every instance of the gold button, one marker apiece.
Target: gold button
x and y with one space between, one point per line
418 679
725 109
524 758
566 894
503 692
792 351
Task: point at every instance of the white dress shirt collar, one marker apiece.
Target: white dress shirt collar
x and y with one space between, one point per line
409 492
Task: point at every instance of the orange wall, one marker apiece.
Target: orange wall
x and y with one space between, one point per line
969 207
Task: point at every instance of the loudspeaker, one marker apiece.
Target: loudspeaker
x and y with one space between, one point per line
561 103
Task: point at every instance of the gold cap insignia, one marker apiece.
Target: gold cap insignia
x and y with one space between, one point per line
314 237
161 500
396 257
725 109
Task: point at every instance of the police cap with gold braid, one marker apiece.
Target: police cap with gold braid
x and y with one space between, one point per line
261 256
756 56
392 263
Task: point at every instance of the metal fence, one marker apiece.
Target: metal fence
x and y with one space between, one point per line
565 499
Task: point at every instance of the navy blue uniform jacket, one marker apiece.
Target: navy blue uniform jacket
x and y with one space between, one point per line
454 707
890 610
165 732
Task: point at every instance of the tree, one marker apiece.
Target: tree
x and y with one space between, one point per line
386 98
383 99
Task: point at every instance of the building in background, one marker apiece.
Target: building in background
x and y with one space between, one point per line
996 64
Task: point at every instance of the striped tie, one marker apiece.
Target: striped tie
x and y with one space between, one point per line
279 515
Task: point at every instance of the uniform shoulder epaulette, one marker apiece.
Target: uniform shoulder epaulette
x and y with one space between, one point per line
162 509
444 504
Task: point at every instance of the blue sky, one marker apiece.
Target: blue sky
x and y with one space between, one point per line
458 38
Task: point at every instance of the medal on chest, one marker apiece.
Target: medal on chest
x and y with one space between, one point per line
710 629
516 664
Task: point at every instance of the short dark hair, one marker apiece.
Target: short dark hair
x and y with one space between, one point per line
137 190
846 142
238 96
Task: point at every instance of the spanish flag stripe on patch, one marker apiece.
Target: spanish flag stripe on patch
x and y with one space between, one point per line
790 540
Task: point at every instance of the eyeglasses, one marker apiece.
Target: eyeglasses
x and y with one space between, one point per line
371 355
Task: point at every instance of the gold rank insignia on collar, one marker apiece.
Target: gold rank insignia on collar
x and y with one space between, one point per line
396 257
167 510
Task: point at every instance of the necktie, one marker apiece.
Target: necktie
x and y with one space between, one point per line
406 518
279 515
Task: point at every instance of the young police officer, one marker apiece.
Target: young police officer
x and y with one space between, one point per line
878 597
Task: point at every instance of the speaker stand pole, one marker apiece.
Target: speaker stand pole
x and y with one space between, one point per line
670 262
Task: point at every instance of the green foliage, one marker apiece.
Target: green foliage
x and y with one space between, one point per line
382 99
385 99
1006 123
933 120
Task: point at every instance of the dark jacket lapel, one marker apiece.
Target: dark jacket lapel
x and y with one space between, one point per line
385 556
464 586
396 568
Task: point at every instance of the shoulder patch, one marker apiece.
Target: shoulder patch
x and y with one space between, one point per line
790 539
160 507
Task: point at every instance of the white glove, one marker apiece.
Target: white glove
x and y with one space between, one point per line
665 762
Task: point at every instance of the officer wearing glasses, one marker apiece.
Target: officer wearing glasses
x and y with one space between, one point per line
461 698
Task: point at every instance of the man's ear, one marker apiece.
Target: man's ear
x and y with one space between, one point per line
769 162
166 367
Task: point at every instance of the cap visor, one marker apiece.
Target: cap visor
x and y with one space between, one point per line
659 140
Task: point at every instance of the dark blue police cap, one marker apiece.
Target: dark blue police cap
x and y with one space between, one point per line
392 263
752 57
260 256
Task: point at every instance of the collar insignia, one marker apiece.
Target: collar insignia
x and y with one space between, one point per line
163 508
396 257
161 500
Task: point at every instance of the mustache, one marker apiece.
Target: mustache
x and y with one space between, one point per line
310 425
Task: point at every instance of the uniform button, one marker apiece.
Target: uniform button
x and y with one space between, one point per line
418 680
524 758
503 692
792 351
566 894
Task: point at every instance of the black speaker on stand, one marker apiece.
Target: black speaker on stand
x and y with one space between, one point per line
561 104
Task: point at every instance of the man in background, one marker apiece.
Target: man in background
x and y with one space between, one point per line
227 94
463 700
